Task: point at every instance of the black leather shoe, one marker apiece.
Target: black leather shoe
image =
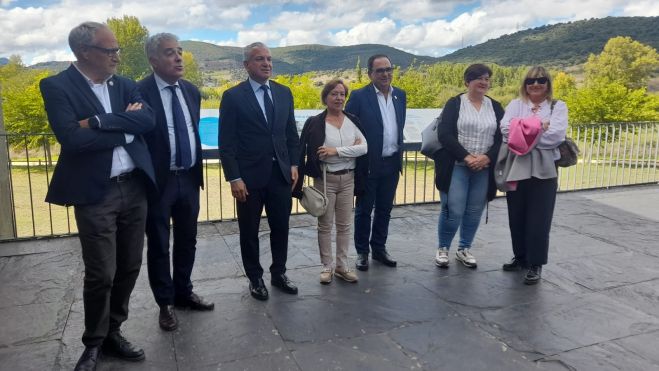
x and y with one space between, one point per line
384 258
117 346
258 290
282 282
167 318
362 262
88 359
194 302
533 275
515 264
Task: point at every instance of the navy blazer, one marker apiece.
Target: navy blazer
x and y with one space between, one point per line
158 138
82 173
248 144
363 103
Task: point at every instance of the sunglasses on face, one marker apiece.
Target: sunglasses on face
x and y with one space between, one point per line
539 80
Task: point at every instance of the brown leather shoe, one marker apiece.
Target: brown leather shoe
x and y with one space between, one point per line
167 318
194 302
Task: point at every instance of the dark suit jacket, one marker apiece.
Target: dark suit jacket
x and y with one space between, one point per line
363 103
248 144
82 173
158 138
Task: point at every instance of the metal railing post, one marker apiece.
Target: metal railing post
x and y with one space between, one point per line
7 226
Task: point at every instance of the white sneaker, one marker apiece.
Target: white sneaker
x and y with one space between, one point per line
466 258
346 274
441 257
326 275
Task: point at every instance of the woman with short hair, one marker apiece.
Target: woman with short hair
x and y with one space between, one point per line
470 138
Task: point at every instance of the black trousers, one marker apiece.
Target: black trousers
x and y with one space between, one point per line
530 211
179 201
112 237
277 199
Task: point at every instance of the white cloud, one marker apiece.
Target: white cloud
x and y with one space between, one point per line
642 8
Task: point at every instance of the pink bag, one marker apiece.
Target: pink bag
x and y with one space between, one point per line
523 134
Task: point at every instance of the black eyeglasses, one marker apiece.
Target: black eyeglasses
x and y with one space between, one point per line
384 70
539 80
109 52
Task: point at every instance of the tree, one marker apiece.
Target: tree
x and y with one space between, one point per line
623 61
131 36
358 70
192 71
564 85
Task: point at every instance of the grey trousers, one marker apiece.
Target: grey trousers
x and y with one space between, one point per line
340 191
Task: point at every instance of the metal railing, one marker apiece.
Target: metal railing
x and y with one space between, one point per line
611 155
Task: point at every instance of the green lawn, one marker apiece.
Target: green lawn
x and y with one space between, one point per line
34 217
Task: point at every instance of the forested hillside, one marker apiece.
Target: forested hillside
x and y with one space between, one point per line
562 44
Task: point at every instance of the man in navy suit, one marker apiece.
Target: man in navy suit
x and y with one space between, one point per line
381 111
175 150
104 171
259 148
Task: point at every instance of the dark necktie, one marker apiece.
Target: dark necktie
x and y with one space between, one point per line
269 107
183 152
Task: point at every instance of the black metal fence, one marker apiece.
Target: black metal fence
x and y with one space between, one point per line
611 155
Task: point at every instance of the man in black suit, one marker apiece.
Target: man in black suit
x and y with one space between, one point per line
381 111
175 150
103 170
259 148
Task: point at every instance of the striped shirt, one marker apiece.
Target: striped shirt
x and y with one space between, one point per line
476 128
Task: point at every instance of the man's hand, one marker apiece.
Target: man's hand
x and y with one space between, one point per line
84 123
294 177
134 107
239 190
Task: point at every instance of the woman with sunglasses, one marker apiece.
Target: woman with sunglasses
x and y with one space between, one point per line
531 205
470 138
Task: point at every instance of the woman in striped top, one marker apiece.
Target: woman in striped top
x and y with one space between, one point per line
470 138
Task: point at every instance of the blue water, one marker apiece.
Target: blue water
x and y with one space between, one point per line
208 131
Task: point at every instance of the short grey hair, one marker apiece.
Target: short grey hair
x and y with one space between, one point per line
248 49
83 35
153 42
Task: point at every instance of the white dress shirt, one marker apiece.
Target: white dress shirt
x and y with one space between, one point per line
166 98
476 128
390 127
121 160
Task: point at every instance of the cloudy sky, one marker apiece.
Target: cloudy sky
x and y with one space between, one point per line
37 29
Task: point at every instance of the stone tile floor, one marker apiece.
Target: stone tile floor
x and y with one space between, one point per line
597 307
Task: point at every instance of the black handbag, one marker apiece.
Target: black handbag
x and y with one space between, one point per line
568 148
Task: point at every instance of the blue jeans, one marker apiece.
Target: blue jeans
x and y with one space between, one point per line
462 206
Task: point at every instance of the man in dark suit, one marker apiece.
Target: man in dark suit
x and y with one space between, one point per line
259 148
381 111
175 150
103 170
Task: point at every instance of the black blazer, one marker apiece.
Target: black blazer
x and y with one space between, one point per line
313 136
158 138
247 144
363 103
453 151
82 173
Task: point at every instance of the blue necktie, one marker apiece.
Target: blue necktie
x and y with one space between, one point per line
183 152
269 107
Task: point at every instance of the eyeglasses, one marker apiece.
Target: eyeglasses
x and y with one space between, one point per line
539 80
383 70
109 52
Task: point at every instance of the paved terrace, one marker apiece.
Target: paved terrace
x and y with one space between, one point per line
597 307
